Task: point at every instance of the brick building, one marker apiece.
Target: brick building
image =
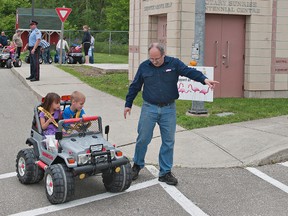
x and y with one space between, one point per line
245 41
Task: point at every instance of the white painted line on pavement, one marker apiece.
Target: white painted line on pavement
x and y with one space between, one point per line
284 164
71 204
182 200
8 175
268 179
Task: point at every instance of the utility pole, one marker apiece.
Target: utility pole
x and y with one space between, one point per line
33 5
198 48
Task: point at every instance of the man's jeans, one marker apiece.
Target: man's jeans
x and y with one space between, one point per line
46 55
63 55
91 57
165 117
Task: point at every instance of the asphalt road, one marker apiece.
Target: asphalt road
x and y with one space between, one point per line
233 191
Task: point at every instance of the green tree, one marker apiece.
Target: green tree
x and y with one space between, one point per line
98 14
8 13
118 15
84 12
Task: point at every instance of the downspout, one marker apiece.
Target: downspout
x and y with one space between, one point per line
133 39
139 33
181 27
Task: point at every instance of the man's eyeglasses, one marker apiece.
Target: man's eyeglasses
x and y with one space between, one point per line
155 59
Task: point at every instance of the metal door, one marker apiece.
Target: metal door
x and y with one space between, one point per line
225 51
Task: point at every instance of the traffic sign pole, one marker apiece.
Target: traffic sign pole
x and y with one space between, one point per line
61 43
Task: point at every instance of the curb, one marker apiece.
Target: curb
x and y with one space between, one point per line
23 80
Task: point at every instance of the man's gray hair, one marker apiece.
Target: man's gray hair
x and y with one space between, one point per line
159 46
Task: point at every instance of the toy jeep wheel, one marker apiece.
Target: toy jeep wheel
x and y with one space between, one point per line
118 180
59 183
70 60
80 60
27 59
27 171
50 60
17 63
9 63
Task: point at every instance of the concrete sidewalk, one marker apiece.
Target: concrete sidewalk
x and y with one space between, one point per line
241 144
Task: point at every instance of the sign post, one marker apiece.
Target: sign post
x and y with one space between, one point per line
63 14
198 49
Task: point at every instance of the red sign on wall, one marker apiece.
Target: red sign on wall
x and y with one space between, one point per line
63 13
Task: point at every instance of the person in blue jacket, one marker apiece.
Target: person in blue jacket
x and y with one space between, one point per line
3 39
34 51
159 76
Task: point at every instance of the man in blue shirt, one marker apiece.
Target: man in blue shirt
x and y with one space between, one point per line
3 39
45 45
34 51
159 75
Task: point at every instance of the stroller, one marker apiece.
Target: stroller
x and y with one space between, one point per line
8 57
75 55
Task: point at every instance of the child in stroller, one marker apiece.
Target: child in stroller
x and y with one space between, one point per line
9 57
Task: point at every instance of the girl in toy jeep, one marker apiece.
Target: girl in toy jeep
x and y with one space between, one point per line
50 113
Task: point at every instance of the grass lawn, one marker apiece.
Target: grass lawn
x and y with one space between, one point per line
113 58
244 109
99 58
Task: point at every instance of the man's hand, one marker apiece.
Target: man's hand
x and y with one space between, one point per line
211 83
127 110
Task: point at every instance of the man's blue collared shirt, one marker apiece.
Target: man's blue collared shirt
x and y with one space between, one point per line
160 83
34 36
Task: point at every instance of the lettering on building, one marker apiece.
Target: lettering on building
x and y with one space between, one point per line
158 6
281 65
232 6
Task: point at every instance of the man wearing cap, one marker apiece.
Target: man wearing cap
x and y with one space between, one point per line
34 51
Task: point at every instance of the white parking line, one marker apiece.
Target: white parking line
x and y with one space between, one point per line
268 179
182 200
8 175
284 164
186 204
53 208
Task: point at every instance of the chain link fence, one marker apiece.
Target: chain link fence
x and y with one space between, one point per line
109 42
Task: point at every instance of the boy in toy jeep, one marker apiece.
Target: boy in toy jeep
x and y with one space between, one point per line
76 109
50 113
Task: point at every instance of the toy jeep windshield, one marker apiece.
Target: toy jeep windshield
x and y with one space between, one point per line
78 149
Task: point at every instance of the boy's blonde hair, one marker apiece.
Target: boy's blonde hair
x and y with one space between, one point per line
77 96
